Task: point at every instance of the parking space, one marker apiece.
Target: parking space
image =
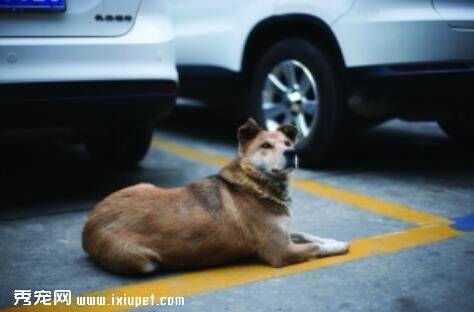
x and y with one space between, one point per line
394 197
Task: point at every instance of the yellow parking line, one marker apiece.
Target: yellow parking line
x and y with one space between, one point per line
198 282
190 153
372 204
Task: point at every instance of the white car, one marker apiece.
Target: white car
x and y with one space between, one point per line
331 67
104 69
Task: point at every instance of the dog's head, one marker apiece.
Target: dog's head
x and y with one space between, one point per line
271 152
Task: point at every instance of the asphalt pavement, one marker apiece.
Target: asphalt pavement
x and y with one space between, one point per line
395 195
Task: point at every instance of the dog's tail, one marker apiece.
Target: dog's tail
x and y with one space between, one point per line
128 258
120 256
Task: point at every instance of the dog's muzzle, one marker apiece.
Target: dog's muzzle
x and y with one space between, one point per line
291 159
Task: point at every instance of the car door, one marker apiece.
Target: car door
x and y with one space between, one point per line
458 13
66 18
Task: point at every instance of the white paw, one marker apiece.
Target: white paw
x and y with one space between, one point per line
333 247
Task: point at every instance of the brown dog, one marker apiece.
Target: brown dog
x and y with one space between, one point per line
243 211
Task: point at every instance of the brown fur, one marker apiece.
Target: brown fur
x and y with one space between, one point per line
219 219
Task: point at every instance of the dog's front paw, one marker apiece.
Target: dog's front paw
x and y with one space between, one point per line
344 246
334 247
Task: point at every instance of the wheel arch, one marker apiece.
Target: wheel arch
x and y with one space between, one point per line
275 28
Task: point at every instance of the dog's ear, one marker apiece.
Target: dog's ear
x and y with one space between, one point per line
289 130
248 131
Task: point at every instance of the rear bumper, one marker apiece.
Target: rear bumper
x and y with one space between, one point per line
84 104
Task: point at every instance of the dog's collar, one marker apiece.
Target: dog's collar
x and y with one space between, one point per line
255 182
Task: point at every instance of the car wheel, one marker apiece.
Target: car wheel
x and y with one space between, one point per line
459 128
120 146
296 82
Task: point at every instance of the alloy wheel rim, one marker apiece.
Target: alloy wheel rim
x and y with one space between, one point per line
290 95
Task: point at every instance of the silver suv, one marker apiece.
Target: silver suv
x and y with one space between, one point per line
104 69
331 67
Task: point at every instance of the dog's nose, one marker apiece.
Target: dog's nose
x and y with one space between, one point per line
290 154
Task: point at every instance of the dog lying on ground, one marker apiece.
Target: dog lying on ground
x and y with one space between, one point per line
243 211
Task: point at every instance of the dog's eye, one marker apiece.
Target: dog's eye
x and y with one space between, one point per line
287 143
266 145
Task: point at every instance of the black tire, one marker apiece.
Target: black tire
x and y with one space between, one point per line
327 129
460 128
121 146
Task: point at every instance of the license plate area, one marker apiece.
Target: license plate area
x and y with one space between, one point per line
57 6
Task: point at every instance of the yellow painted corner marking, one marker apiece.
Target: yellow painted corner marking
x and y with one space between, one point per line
199 282
372 204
